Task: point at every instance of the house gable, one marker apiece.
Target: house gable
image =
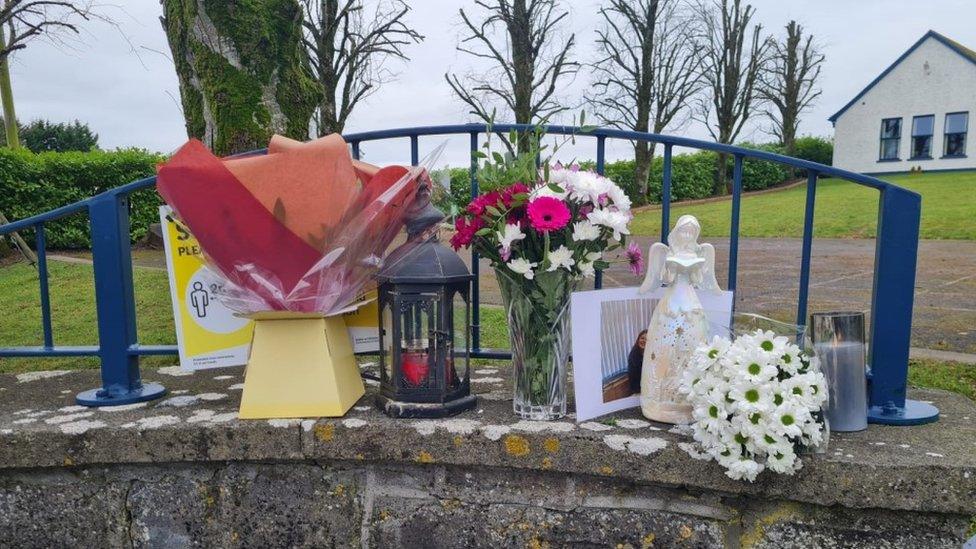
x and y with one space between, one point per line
958 48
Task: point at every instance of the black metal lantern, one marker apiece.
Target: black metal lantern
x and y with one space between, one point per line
425 317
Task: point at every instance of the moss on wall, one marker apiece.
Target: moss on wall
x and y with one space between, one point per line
243 72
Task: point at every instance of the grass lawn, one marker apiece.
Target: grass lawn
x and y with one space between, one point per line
74 322
843 210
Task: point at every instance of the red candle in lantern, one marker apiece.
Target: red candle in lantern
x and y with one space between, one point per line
415 367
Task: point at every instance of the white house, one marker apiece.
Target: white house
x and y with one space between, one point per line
915 114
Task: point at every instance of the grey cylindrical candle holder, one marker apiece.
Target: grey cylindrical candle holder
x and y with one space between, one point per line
838 340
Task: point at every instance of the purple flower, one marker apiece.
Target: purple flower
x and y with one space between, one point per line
635 259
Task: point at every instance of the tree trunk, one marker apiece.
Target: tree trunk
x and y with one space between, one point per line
720 187
244 74
523 64
643 156
7 98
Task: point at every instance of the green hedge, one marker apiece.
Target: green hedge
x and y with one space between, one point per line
815 149
35 183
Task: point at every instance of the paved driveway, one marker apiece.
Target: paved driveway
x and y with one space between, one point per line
840 279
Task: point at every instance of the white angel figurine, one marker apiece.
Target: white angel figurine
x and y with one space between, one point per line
678 325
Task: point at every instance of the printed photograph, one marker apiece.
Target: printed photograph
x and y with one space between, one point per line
623 335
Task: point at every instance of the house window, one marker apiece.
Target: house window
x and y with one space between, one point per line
956 126
922 128
890 138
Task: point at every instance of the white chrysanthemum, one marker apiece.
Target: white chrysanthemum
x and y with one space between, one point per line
589 187
586 266
804 389
743 468
616 221
786 419
509 235
523 267
783 460
561 257
751 397
584 230
756 368
545 190
618 197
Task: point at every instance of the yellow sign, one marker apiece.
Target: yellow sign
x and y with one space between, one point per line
209 335
362 324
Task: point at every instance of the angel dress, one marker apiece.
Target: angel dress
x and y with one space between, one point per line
678 325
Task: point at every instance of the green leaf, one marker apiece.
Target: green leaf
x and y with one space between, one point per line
483 232
555 188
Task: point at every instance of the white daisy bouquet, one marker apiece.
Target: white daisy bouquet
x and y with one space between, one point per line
757 402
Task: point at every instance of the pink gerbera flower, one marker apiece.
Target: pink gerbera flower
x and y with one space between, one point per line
548 213
635 259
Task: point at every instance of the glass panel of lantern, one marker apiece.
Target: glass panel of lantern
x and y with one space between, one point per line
386 336
418 343
459 361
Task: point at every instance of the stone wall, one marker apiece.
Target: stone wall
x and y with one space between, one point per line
345 504
183 471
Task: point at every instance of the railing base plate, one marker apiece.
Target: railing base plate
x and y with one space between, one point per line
915 412
100 397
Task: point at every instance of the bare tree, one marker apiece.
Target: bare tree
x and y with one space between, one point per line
349 50
22 21
789 85
647 71
520 39
734 54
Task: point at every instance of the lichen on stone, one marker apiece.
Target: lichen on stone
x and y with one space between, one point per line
516 445
325 432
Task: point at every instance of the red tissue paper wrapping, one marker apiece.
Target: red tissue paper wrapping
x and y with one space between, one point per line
302 228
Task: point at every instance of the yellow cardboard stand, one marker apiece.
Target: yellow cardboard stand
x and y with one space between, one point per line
301 365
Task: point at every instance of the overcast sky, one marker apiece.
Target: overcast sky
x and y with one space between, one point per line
133 100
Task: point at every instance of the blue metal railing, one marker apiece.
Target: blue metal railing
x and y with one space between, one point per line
891 304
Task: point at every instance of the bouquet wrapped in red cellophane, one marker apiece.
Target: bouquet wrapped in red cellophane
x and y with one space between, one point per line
302 228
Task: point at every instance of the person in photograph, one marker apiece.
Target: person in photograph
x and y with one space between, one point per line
635 362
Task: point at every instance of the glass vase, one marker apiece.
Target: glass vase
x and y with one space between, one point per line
538 328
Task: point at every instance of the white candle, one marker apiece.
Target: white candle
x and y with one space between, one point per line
843 364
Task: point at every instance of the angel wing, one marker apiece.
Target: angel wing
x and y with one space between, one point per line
656 255
707 271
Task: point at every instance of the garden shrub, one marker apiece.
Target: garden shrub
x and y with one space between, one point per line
761 174
32 183
43 136
815 149
692 174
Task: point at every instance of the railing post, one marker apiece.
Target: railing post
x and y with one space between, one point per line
801 301
666 194
115 306
734 227
475 267
40 240
895 257
601 159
